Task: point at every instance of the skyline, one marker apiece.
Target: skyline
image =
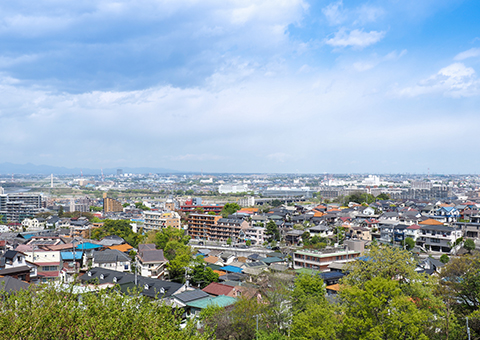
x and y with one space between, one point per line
252 87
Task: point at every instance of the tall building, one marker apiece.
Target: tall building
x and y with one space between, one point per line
199 225
17 207
111 205
119 172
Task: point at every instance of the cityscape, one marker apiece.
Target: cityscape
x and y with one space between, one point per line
240 170
200 243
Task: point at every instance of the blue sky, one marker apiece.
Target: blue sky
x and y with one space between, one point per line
242 86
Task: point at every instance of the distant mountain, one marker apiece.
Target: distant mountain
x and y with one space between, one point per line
32 169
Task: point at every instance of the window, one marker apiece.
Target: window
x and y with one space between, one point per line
49 268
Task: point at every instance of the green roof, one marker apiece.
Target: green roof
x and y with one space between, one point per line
214 266
220 301
307 271
268 260
318 254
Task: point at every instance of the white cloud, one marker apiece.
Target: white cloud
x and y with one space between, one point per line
471 53
376 60
455 80
356 38
334 13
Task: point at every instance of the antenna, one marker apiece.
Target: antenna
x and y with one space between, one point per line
103 176
81 173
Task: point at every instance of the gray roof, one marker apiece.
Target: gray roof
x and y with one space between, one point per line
152 255
153 288
11 284
110 256
191 295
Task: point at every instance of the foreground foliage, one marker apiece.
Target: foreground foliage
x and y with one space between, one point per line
49 313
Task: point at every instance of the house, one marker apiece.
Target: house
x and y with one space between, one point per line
217 289
195 307
151 261
150 287
435 236
413 232
11 285
181 299
112 259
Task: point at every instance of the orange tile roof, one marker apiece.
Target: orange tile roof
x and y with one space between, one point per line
211 259
318 214
122 247
220 272
431 221
334 287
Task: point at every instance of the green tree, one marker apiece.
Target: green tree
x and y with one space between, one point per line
248 243
170 234
229 241
383 196
469 245
202 275
60 211
381 310
272 231
276 203
409 243
229 209
444 258
120 228
107 314
308 289
317 322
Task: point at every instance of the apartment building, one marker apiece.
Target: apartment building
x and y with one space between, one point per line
199 225
322 259
226 228
155 220
17 207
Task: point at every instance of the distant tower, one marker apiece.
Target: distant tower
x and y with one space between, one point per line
103 176
51 180
81 173
119 172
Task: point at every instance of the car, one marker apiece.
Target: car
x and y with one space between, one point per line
200 243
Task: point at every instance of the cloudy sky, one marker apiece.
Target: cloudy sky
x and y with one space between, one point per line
385 86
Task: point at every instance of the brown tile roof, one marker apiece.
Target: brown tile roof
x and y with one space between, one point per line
215 288
211 259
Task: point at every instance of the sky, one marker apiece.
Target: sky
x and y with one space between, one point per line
282 86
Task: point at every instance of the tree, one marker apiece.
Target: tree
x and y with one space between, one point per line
381 310
409 243
383 196
229 209
398 266
276 203
202 275
444 258
229 241
170 234
318 321
272 231
309 289
469 245
248 243
120 228
107 314
239 322
60 211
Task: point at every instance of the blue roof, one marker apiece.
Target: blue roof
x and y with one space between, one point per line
28 236
68 255
232 269
88 245
331 275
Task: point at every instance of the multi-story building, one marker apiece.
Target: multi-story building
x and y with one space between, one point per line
111 205
151 261
322 259
199 225
161 219
256 235
17 207
226 228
